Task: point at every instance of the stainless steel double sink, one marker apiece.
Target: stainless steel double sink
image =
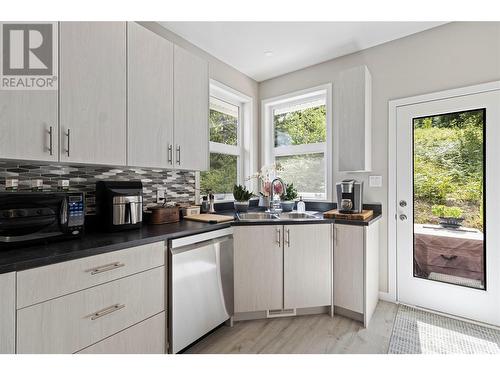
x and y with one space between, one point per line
268 216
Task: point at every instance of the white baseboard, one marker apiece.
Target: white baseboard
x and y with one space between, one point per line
385 296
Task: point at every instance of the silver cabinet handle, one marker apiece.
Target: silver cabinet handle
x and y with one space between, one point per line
403 217
68 135
50 141
178 150
105 268
278 234
106 311
170 154
287 239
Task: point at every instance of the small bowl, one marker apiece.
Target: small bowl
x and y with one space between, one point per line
287 206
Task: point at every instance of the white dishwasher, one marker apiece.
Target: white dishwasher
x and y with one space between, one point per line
200 285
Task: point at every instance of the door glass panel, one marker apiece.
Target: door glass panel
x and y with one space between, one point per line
449 199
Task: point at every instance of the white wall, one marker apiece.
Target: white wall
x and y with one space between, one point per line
223 73
449 56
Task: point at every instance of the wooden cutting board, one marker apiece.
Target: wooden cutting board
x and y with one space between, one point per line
209 218
335 214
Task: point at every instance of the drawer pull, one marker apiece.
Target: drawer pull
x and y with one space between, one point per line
106 311
448 257
105 268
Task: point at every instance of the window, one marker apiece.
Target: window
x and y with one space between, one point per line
226 117
297 129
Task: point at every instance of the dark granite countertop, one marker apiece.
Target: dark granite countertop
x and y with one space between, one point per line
94 243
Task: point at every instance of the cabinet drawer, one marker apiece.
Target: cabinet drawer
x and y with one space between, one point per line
147 337
44 283
73 322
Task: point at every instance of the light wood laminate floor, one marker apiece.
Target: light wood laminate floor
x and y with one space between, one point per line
303 334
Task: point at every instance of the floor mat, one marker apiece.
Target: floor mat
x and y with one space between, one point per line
420 332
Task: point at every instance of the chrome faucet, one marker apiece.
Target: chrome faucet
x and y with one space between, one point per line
272 207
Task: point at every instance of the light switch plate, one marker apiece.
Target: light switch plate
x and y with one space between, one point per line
160 195
375 181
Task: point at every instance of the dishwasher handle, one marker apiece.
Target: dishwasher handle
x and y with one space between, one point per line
197 245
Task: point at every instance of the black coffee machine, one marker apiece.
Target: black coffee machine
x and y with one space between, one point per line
350 196
119 204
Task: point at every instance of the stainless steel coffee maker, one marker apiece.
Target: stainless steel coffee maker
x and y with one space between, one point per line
119 204
350 196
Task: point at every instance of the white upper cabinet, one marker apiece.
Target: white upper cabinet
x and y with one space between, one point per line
29 126
354 110
191 100
93 92
150 98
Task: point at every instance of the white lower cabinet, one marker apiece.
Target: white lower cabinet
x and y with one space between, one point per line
8 313
307 265
356 269
282 267
70 323
258 268
146 337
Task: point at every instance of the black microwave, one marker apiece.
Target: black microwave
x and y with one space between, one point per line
29 217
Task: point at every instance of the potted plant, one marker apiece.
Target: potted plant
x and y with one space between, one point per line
288 198
241 198
449 217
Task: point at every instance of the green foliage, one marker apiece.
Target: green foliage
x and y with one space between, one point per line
300 127
291 193
241 194
222 174
443 211
223 128
448 165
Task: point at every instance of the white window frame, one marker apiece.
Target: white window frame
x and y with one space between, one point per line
269 151
241 150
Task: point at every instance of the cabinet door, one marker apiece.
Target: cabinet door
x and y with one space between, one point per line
8 313
93 92
348 266
258 268
27 119
150 99
353 91
307 265
146 337
190 110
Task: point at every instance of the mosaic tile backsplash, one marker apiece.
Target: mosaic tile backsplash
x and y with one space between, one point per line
179 185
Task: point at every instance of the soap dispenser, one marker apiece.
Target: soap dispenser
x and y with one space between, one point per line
301 206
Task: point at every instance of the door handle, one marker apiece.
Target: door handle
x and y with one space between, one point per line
403 217
50 141
170 155
68 135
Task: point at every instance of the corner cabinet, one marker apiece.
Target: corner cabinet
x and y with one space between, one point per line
150 98
353 92
280 267
191 101
93 92
356 270
8 313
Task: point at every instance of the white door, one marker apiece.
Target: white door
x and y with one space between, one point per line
448 184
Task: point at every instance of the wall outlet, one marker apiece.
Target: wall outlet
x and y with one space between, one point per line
375 181
160 195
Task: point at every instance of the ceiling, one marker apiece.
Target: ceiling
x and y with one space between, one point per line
264 50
